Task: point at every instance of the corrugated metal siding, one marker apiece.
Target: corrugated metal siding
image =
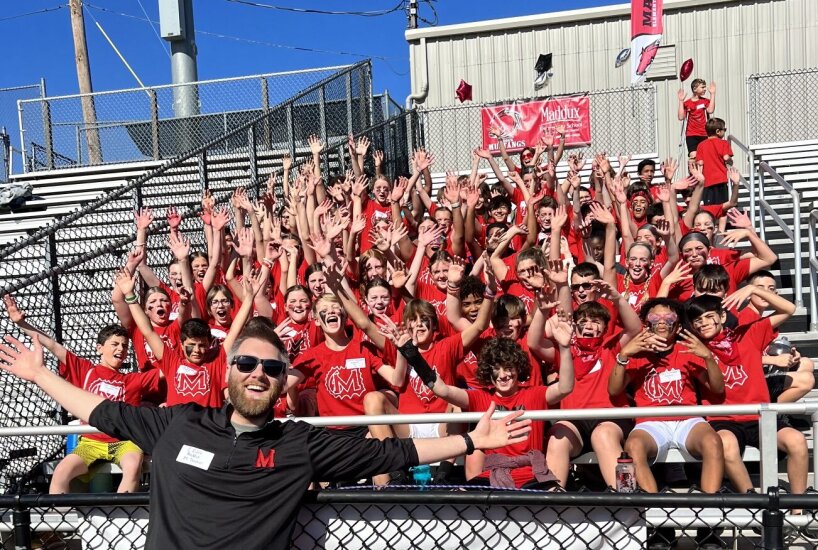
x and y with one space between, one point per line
727 42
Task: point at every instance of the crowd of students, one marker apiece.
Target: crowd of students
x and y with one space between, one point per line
614 290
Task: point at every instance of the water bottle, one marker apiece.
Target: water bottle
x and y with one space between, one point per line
422 475
71 440
625 474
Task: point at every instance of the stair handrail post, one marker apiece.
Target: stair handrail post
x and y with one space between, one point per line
813 279
751 170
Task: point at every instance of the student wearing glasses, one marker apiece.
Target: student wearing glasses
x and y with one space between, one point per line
218 468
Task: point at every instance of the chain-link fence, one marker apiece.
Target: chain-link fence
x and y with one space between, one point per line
12 157
775 121
450 518
162 122
622 120
62 275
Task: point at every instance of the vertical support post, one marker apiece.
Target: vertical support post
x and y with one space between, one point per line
322 117
48 135
78 138
348 82
267 138
369 96
201 162
768 428
751 157
251 159
814 454
21 518
55 287
154 124
796 228
772 522
291 130
813 298
20 118
762 229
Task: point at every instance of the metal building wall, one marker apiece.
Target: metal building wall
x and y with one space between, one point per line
728 40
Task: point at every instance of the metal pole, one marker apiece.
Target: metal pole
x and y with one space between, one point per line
753 188
348 82
53 262
154 124
204 178
48 137
772 522
768 447
322 118
761 219
813 294
291 131
183 66
267 138
251 159
78 139
22 135
21 518
799 290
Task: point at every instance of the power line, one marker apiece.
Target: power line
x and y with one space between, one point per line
161 42
44 10
248 40
399 6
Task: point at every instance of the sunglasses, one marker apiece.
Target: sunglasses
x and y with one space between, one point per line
247 364
582 286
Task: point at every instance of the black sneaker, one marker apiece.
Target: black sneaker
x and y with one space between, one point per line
662 538
400 477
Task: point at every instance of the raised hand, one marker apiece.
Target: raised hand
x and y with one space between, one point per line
623 161
457 268
681 95
362 146
606 290
359 186
492 434
125 281
739 219
681 272
452 190
683 184
397 334
273 250
19 360
561 327
220 218
482 153
173 217
398 189
601 214
316 145
738 299
423 160
696 172
399 276
358 224
663 227
556 272
429 235
135 257
322 208
734 175
669 168
245 239
712 88
143 218
663 192
733 237
15 314
645 341
399 231
377 156
694 345
545 301
618 191
287 161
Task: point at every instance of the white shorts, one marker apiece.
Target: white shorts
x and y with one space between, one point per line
669 434
424 431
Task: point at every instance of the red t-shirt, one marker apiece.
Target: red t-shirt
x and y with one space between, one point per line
433 295
113 385
526 399
171 336
300 337
442 356
664 380
188 383
637 294
738 353
512 285
696 110
592 368
373 212
737 270
711 153
342 377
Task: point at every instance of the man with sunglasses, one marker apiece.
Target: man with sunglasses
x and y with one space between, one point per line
233 476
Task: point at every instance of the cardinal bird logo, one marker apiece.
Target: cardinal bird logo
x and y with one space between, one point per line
646 57
507 115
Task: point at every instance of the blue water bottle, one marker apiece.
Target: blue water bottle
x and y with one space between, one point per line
422 475
71 440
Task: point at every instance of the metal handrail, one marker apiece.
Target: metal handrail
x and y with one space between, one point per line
813 271
768 423
793 233
751 170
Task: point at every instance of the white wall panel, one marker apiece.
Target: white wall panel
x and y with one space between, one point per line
728 40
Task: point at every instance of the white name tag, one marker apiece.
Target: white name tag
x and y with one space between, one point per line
184 369
359 363
198 458
671 375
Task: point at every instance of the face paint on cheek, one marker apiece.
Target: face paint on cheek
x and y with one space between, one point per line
189 350
427 323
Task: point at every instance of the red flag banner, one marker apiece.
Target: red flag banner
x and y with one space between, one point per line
646 34
521 124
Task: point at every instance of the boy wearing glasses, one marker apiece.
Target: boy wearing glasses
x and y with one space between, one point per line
194 374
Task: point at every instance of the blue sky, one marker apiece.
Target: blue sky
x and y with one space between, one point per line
40 45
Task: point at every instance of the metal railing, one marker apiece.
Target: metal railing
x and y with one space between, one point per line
813 271
768 425
752 185
793 233
142 123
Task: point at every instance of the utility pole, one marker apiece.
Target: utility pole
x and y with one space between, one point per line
176 26
89 113
412 14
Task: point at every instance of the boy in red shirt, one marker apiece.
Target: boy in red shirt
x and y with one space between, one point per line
103 379
697 109
713 156
739 357
194 374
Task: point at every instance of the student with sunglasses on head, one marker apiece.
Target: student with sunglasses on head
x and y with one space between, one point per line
218 468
